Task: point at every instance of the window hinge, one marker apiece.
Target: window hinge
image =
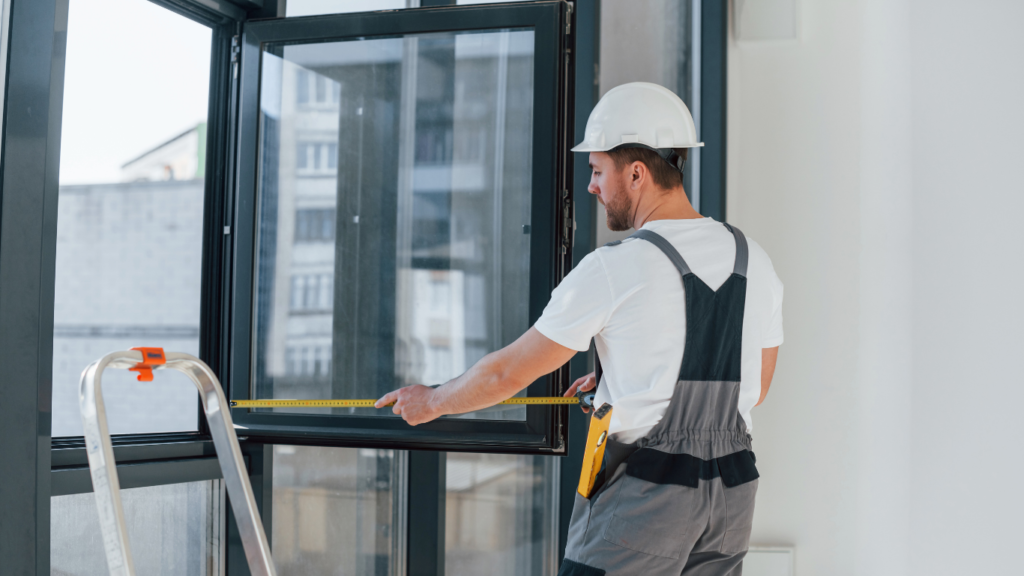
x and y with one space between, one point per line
236 48
568 19
568 222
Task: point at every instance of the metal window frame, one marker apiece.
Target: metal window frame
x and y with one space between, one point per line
588 58
714 38
35 38
543 432
146 457
145 460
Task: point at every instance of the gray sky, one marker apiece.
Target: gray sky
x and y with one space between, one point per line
310 7
136 75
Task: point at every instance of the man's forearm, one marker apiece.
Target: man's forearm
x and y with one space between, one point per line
496 377
482 386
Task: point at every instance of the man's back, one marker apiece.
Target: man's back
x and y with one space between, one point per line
630 299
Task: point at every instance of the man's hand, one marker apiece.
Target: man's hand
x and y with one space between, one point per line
586 383
413 403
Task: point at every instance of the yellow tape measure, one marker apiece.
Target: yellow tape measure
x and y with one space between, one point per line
370 403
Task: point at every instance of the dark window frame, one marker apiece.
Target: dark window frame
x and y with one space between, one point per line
543 432
69 451
35 40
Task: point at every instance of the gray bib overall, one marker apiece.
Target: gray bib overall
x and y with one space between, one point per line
679 501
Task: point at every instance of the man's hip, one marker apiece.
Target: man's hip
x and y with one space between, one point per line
633 526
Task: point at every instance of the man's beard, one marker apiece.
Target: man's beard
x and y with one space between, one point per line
620 213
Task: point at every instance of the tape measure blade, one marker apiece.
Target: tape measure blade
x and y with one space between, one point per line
369 403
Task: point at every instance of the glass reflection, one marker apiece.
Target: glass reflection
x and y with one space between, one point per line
173 529
338 511
500 516
394 223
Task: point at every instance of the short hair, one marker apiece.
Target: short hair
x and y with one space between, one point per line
665 175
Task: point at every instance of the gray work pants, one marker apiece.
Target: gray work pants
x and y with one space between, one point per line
636 527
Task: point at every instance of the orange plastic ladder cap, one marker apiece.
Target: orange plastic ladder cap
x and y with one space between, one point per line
150 357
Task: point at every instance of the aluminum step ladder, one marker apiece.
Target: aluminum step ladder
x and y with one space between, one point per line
104 470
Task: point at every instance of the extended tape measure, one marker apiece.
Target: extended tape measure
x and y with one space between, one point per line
586 399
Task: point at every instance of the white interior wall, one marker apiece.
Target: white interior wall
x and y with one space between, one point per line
792 184
876 160
968 119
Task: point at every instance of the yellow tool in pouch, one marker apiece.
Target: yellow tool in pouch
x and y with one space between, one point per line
597 439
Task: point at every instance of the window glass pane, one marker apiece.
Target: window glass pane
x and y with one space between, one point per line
338 511
130 215
413 210
501 515
312 7
172 530
651 42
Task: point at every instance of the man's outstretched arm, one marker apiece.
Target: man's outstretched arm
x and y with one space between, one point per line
497 376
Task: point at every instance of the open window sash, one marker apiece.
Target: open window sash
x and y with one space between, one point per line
403 209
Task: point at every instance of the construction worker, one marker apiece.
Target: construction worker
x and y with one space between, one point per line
686 318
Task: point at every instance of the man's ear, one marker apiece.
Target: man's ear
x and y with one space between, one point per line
637 174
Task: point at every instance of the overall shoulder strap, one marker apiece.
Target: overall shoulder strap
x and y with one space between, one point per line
666 247
742 252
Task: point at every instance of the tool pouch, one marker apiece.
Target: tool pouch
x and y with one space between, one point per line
594 455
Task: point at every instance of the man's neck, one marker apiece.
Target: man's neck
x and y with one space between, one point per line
661 205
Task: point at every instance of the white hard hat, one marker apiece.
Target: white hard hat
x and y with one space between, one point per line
639 114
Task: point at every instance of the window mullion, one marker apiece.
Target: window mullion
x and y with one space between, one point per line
426 513
35 36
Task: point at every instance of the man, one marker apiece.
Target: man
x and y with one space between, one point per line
686 319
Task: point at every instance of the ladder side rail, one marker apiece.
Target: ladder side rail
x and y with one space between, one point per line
232 465
102 466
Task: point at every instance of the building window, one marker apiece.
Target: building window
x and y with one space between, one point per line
332 156
321 361
314 224
291 361
298 289
316 158
302 87
310 298
312 293
316 89
308 361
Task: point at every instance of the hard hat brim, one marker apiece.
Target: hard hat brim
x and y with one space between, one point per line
583 147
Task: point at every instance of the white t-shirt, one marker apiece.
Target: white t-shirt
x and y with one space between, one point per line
629 299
